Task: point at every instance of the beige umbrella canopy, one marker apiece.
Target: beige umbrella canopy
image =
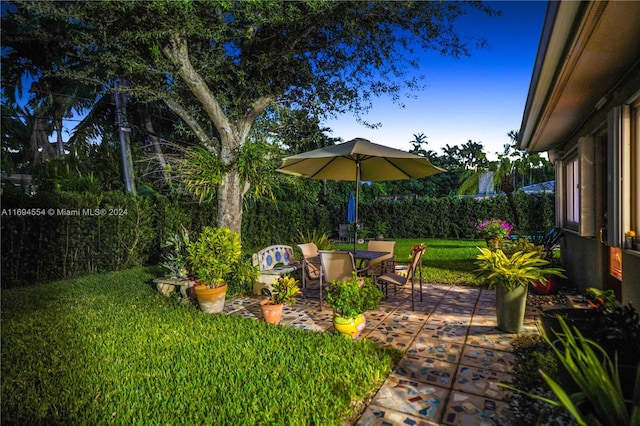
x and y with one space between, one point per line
358 160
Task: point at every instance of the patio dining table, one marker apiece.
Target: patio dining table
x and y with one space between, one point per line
365 256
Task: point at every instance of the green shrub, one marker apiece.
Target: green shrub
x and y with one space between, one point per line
600 399
43 248
353 297
213 254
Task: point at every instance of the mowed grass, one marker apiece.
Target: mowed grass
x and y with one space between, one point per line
444 262
107 349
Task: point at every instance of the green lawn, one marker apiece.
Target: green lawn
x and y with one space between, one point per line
108 349
444 262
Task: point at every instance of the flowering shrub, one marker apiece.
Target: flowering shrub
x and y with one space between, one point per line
493 228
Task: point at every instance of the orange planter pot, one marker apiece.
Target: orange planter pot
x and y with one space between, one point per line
211 300
271 313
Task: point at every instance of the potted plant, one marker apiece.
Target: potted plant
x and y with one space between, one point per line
494 231
544 286
174 261
212 256
242 277
284 290
511 276
350 299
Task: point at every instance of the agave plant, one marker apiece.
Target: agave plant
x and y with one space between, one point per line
321 240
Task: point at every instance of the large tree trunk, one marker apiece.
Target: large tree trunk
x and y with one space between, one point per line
232 134
230 195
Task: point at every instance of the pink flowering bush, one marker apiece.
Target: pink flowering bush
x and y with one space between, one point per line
493 228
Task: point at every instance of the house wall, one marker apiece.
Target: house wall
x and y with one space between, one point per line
631 277
583 260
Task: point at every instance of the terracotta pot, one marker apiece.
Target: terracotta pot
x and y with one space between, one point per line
271 313
211 300
349 327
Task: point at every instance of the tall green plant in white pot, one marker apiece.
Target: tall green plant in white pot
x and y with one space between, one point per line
212 256
511 276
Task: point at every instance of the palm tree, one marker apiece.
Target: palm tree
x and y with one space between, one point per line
503 175
32 47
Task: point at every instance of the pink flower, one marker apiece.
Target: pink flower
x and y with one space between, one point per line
493 228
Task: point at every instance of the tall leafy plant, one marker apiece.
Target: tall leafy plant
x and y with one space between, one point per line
518 270
600 399
213 254
174 260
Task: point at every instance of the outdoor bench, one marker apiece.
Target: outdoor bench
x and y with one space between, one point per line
273 261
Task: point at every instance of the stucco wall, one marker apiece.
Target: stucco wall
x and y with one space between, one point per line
631 278
583 260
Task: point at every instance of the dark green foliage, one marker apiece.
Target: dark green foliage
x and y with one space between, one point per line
44 247
74 234
532 355
108 349
174 259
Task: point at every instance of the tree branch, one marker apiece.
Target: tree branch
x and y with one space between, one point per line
212 145
176 51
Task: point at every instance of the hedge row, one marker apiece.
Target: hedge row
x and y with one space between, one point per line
63 235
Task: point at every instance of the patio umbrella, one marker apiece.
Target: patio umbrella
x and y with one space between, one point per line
351 209
358 160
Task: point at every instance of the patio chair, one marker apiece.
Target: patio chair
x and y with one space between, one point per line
336 265
310 263
400 280
383 264
345 235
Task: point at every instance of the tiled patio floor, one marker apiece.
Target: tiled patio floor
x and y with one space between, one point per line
454 354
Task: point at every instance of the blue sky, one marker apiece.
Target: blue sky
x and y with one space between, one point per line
479 98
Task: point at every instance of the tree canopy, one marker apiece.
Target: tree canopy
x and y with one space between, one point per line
220 65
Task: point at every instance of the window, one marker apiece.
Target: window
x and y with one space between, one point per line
572 190
579 188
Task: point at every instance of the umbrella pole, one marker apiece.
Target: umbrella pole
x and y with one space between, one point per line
355 225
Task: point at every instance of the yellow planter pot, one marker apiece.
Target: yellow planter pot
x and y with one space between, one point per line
349 327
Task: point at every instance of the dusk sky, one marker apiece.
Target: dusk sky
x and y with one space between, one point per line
479 98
